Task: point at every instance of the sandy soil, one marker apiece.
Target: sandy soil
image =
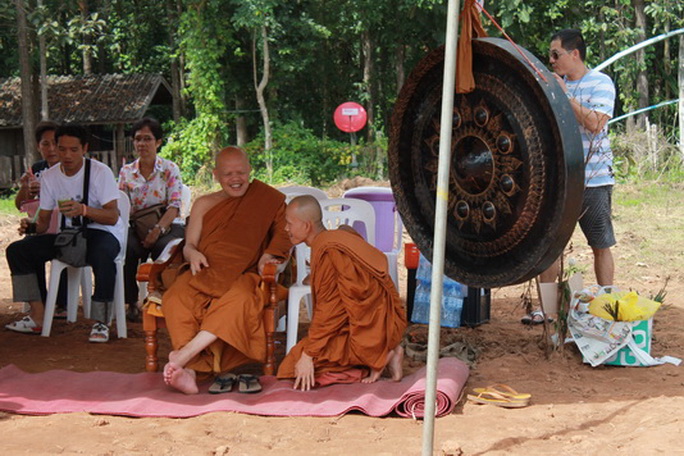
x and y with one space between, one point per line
575 409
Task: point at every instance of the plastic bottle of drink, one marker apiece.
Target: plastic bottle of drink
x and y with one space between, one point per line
424 271
451 305
421 303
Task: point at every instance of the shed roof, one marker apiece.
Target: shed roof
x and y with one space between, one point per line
88 100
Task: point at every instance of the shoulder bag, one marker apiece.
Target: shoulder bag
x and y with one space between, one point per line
145 219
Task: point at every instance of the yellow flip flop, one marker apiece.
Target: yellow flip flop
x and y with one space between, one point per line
504 390
495 396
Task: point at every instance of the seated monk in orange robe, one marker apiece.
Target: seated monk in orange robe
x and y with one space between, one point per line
358 318
213 310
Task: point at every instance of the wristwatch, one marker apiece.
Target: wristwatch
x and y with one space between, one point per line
162 230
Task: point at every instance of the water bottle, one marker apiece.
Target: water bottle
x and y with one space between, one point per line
452 303
424 271
421 303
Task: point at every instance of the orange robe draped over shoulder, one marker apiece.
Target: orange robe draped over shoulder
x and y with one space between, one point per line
358 316
223 299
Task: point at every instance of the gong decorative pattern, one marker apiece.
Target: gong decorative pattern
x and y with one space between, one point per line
516 175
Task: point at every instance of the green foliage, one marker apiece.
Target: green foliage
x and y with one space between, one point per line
191 146
317 61
299 157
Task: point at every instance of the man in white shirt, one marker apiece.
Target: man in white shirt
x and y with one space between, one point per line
62 189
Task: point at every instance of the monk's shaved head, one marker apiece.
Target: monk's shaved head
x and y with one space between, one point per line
304 219
307 209
231 153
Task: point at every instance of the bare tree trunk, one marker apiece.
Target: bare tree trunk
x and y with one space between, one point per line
642 76
87 40
399 66
172 16
667 62
680 78
260 89
240 122
28 103
44 108
181 66
368 74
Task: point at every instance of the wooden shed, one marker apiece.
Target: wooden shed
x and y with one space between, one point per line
106 104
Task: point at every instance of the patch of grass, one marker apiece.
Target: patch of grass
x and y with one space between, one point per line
7 206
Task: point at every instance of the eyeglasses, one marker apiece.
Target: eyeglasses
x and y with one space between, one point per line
555 55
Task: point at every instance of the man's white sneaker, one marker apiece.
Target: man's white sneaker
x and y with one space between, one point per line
26 325
99 333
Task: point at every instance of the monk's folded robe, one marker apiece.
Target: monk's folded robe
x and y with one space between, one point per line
224 298
358 317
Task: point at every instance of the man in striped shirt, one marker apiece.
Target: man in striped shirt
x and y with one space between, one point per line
592 98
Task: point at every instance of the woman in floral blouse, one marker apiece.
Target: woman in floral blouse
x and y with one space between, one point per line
149 180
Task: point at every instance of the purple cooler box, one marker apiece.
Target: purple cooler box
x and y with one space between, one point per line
388 224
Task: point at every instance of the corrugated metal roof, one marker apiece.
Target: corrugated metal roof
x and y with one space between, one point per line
94 99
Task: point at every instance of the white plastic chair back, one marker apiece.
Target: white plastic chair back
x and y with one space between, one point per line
297 190
349 211
186 200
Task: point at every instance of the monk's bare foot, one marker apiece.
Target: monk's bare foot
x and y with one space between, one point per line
184 380
395 364
171 367
373 377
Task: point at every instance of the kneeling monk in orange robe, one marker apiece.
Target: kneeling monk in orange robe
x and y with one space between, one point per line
214 310
358 318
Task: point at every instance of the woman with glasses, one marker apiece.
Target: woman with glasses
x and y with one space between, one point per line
150 180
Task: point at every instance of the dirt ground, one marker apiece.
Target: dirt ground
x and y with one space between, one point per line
575 409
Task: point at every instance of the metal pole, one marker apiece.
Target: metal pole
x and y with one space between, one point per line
639 111
439 242
638 46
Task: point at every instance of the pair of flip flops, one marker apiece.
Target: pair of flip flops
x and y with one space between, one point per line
500 395
535 317
224 383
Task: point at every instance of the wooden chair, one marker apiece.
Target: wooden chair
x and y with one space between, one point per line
152 274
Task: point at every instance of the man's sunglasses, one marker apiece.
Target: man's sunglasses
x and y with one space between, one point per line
555 55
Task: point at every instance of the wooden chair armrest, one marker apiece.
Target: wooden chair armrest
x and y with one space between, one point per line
151 272
269 273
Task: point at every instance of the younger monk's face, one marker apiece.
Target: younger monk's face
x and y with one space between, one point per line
296 228
232 172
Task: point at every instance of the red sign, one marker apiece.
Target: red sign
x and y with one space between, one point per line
350 117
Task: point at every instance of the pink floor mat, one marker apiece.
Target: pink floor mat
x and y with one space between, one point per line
111 393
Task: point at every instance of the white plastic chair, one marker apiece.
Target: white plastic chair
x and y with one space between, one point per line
186 198
83 276
336 212
298 190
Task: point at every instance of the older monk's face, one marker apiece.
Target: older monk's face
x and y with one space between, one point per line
232 172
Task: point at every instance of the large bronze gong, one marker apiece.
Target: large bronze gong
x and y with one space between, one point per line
517 168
